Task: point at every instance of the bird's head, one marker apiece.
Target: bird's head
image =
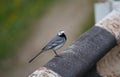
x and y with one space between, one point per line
61 32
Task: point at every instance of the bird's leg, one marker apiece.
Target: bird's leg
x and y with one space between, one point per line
56 53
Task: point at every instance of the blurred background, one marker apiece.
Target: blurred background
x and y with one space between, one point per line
27 25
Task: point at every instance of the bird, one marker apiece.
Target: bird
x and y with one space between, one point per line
56 43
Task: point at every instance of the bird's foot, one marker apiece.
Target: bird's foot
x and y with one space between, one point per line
57 56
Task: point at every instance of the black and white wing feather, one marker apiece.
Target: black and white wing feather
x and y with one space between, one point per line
56 41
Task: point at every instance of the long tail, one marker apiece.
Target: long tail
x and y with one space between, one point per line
36 56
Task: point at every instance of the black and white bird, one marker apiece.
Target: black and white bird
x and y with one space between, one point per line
57 42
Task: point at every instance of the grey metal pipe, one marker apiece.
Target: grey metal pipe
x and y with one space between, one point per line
80 57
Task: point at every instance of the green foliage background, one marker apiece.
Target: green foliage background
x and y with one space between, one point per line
15 18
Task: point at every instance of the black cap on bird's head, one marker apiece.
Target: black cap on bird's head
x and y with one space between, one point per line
61 33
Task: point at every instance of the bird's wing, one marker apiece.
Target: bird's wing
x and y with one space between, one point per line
54 42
